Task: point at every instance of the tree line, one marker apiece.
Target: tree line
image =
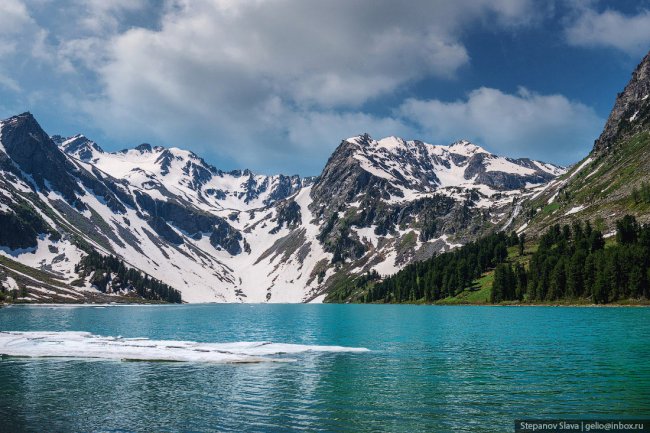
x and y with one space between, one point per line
573 263
110 273
439 277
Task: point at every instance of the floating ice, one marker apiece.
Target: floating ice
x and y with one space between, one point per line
87 345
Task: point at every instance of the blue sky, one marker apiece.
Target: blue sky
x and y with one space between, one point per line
275 85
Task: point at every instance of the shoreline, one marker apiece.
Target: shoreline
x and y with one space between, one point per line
138 304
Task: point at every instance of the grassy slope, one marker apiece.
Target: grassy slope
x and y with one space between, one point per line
603 186
478 294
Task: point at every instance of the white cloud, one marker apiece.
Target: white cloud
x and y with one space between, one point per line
98 16
9 83
13 17
213 70
610 28
525 124
278 83
16 24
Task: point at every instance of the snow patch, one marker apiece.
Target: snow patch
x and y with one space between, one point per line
574 209
581 166
388 266
318 299
445 238
503 165
465 148
11 284
594 171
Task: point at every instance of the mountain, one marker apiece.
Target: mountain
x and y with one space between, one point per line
613 180
237 236
566 259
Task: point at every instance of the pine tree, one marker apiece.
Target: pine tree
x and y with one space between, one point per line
627 230
522 243
575 275
522 282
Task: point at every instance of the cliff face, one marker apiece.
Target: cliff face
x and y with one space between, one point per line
631 112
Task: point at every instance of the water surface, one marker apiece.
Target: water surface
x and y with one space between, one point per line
429 369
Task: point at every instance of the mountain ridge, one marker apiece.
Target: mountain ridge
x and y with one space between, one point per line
240 237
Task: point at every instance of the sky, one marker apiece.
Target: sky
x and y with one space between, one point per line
275 85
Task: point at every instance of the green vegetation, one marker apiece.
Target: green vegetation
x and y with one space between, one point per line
568 265
20 228
608 185
441 277
346 286
37 274
109 271
407 242
573 263
477 294
549 209
642 195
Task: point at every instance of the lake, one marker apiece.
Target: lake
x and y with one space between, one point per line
428 368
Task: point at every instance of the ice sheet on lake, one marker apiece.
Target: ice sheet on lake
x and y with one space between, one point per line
87 345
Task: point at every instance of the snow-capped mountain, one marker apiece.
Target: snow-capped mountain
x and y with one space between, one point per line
235 236
181 173
417 168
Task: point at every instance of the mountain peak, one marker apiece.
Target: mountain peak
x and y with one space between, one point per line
25 118
78 146
36 154
466 147
631 112
144 147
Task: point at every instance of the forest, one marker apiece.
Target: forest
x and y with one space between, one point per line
439 277
566 263
573 262
110 274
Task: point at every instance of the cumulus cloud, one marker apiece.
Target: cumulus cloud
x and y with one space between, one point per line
13 17
610 28
524 124
276 84
257 72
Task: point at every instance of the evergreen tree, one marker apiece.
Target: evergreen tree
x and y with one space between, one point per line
571 262
521 242
627 230
110 275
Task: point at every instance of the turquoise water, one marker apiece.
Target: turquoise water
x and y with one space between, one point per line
434 369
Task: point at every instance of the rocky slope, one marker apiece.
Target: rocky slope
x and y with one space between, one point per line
236 236
613 180
631 112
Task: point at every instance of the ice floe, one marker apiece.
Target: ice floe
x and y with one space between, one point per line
85 345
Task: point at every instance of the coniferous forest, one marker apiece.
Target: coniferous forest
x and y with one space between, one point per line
109 274
573 263
439 277
570 263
